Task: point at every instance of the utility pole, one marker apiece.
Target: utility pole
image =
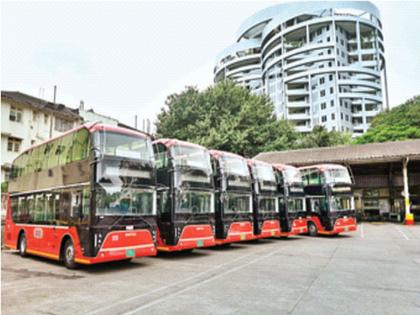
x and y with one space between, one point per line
55 94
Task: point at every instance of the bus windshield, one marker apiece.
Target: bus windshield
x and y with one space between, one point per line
295 205
264 172
338 175
123 145
124 201
341 203
268 204
238 203
194 202
235 166
292 175
193 157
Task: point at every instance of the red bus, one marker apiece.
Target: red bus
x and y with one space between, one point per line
185 195
292 208
265 200
329 199
85 197
233 213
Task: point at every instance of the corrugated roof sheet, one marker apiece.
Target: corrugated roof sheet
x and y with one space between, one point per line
351 154
40 104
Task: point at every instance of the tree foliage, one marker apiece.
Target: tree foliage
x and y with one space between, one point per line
231 118
401 123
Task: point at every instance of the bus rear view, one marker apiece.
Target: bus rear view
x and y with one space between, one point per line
292 208
233 214
265 205
329 199
185 195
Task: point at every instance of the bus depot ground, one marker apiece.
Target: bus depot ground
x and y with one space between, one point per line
375 270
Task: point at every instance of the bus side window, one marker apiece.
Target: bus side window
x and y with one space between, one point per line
49 208
161 156
22 209
30 209
64 208
39 208
14 203
76 204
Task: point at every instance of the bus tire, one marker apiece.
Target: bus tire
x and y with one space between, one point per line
312 229
69 255
23 245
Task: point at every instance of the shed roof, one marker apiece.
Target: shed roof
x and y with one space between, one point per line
348 154
40 104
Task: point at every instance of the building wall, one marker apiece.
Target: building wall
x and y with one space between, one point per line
90 116
319 62
33 128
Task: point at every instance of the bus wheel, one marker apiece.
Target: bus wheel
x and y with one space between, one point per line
22 245
313 230
68 255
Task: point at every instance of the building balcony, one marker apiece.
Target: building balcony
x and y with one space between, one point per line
297 92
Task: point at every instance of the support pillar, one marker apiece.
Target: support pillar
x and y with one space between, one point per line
409 219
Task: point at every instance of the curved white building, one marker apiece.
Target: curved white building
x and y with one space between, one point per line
320 62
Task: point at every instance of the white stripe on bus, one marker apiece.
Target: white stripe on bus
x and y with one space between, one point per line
43 226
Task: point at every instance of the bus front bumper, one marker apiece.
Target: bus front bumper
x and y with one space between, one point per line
238 231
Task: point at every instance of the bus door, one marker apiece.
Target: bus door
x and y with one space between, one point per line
319 208
79 212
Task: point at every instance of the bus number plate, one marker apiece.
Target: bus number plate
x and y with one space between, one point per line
243 237
200 243
130 253
273 233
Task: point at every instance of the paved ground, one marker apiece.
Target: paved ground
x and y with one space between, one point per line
373 271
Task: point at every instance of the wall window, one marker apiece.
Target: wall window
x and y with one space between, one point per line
331 77
321 81
322 93
331 90
15 114
324 118
332 116
323 105
332 103
62 125
13 144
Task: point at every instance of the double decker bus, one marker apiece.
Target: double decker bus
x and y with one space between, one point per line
85 197
292 207
265 200
329 199
185 195
233 212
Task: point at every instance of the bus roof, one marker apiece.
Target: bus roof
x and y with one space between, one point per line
252 162
218 154
91 127
171 142
323 167
282 167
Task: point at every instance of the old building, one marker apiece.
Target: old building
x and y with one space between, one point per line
26 121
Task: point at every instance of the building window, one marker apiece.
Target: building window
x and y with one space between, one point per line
331 77
332 103
321 81
323 105
322 93
328 39
15 114
332 116
342 116
62 125
13 144
45 118
347 117
331 90
324 118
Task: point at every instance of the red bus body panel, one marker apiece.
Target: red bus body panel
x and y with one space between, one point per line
299 226
341 225
270 228
238 231
46 241
192 236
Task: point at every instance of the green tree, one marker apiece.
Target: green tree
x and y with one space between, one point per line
401 123
225 117
320 137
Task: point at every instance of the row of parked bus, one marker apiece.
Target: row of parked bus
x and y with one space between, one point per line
100 193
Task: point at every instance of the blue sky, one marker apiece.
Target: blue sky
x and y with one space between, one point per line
124 58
